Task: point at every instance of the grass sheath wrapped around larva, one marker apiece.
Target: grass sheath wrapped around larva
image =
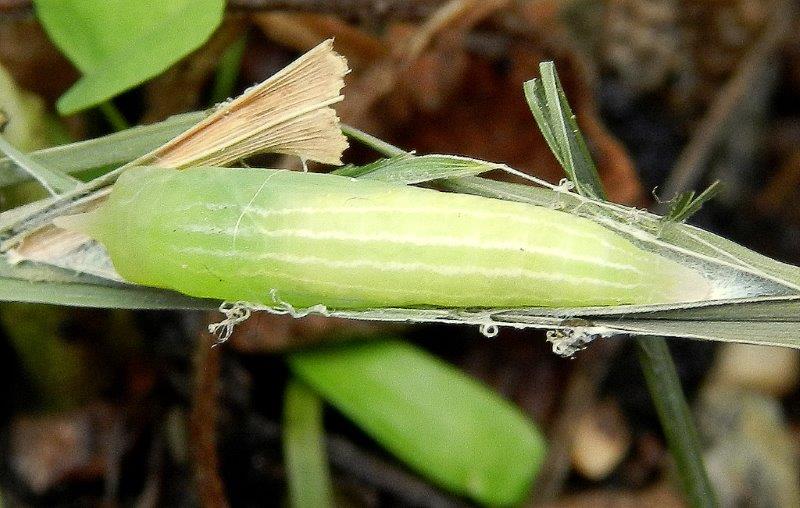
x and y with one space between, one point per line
275 236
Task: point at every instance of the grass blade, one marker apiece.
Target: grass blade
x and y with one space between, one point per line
112 150
371 141
228 71
113 116
537 102
409 169
676 420
54 181
558 125
42 284
687 204
304 448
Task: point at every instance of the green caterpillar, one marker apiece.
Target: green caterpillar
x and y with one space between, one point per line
267 236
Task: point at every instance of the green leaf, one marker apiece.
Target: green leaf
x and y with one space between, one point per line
118 44
371 141
559 127
686 205
304 448
448 427
409 169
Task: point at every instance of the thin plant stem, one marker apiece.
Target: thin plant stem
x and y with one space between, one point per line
113 116
676 420
371 141
304 448
228 71
203 422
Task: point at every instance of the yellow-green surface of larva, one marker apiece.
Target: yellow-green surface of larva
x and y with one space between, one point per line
267 236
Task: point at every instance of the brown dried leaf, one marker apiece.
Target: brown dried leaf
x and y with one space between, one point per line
288 113
302 31
602 438
46 450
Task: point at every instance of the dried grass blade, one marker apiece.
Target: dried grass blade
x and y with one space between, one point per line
288 113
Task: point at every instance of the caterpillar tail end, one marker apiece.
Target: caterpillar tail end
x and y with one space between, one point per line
688 285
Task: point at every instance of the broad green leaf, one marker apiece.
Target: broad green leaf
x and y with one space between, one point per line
304 447
118 44
448 427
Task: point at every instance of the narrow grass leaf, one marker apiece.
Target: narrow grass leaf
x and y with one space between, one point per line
537 102
41 284
409 169
54 181
560 129
111 150
747 332
304 448
687 204
371 141
448 427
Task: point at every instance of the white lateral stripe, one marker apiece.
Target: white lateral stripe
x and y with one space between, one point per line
421 241
521 219
399 266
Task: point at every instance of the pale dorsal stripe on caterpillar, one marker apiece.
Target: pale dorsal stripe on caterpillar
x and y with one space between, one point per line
428 241
241 234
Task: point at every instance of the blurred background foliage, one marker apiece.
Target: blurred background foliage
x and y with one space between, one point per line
133 408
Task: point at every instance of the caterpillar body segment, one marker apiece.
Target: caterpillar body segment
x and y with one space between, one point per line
268 236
